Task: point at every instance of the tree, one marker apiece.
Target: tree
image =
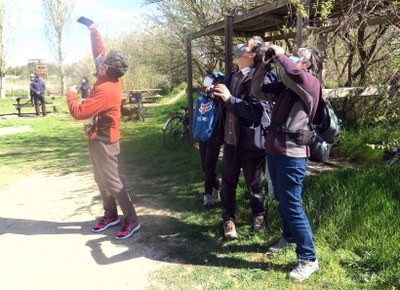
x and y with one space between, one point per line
363 42
58 14
3 69
176 19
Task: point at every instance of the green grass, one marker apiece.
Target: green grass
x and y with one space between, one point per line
353 211
54 143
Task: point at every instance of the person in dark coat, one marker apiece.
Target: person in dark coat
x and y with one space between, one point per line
243 148
31 93
85 88
37 90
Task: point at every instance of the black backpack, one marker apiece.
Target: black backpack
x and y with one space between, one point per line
326 127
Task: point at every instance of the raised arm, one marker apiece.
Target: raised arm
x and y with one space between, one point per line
97 42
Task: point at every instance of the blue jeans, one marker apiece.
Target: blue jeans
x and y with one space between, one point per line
287 175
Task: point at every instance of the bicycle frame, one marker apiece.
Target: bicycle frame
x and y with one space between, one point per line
175 128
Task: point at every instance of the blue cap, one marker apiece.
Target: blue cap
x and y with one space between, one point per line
218 74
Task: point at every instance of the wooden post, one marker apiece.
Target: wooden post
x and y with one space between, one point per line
228 42
321 47
189 89
302 25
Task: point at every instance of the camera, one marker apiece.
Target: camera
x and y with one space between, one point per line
210 93
269 53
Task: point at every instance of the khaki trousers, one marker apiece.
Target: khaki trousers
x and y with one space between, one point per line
104 158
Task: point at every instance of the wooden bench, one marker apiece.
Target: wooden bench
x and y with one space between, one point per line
144 96
19 105
136 99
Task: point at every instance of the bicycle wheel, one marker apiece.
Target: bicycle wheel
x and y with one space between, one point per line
141 113
173 132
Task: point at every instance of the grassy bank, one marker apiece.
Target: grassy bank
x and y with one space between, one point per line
353 211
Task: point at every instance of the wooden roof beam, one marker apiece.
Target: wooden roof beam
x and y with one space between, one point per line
327 29
269 8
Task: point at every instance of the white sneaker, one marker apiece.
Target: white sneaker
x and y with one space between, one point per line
215 194
304 270
207 200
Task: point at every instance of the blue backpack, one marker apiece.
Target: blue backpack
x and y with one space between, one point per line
204 118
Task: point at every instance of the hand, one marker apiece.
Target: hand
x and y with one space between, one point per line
94 27
222 92
73 89
278 50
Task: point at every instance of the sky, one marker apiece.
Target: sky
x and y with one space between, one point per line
25 33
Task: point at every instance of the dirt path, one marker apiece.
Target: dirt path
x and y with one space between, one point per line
46 242
168 101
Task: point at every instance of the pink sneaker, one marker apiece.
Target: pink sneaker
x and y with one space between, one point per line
105 223
127 230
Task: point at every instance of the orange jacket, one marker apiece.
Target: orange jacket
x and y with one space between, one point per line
103 103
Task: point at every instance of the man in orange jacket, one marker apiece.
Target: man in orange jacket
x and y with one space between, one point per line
102 110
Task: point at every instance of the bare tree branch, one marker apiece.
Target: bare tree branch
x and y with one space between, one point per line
58 14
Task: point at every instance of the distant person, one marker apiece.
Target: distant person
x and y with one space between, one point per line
103 107
85 88
32 93
37 90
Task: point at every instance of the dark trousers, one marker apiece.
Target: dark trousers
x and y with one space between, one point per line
254 175
39 100
105 167
209 152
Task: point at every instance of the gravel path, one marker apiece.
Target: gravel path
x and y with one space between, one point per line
46 242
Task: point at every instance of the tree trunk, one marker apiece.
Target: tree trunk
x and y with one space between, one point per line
61 66
2 87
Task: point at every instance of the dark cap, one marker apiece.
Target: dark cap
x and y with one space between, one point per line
117 64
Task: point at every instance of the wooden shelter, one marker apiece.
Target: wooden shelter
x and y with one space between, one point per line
268 21
38 66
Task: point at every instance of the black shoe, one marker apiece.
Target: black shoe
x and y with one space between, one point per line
258 223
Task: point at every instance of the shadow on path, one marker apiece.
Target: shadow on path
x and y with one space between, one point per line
162 238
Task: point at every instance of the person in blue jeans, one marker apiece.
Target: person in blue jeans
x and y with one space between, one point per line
288 151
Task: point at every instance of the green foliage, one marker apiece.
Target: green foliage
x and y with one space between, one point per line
356 210
361 142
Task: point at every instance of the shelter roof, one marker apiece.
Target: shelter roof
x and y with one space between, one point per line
269 20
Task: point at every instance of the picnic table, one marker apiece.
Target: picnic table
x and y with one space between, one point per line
143 95
136 98
52 95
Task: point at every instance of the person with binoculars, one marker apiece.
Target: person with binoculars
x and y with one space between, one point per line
297 98
243 149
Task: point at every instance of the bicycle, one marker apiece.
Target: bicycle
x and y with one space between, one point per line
176 129
135 100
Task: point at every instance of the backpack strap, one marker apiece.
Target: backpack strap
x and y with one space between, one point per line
305 97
